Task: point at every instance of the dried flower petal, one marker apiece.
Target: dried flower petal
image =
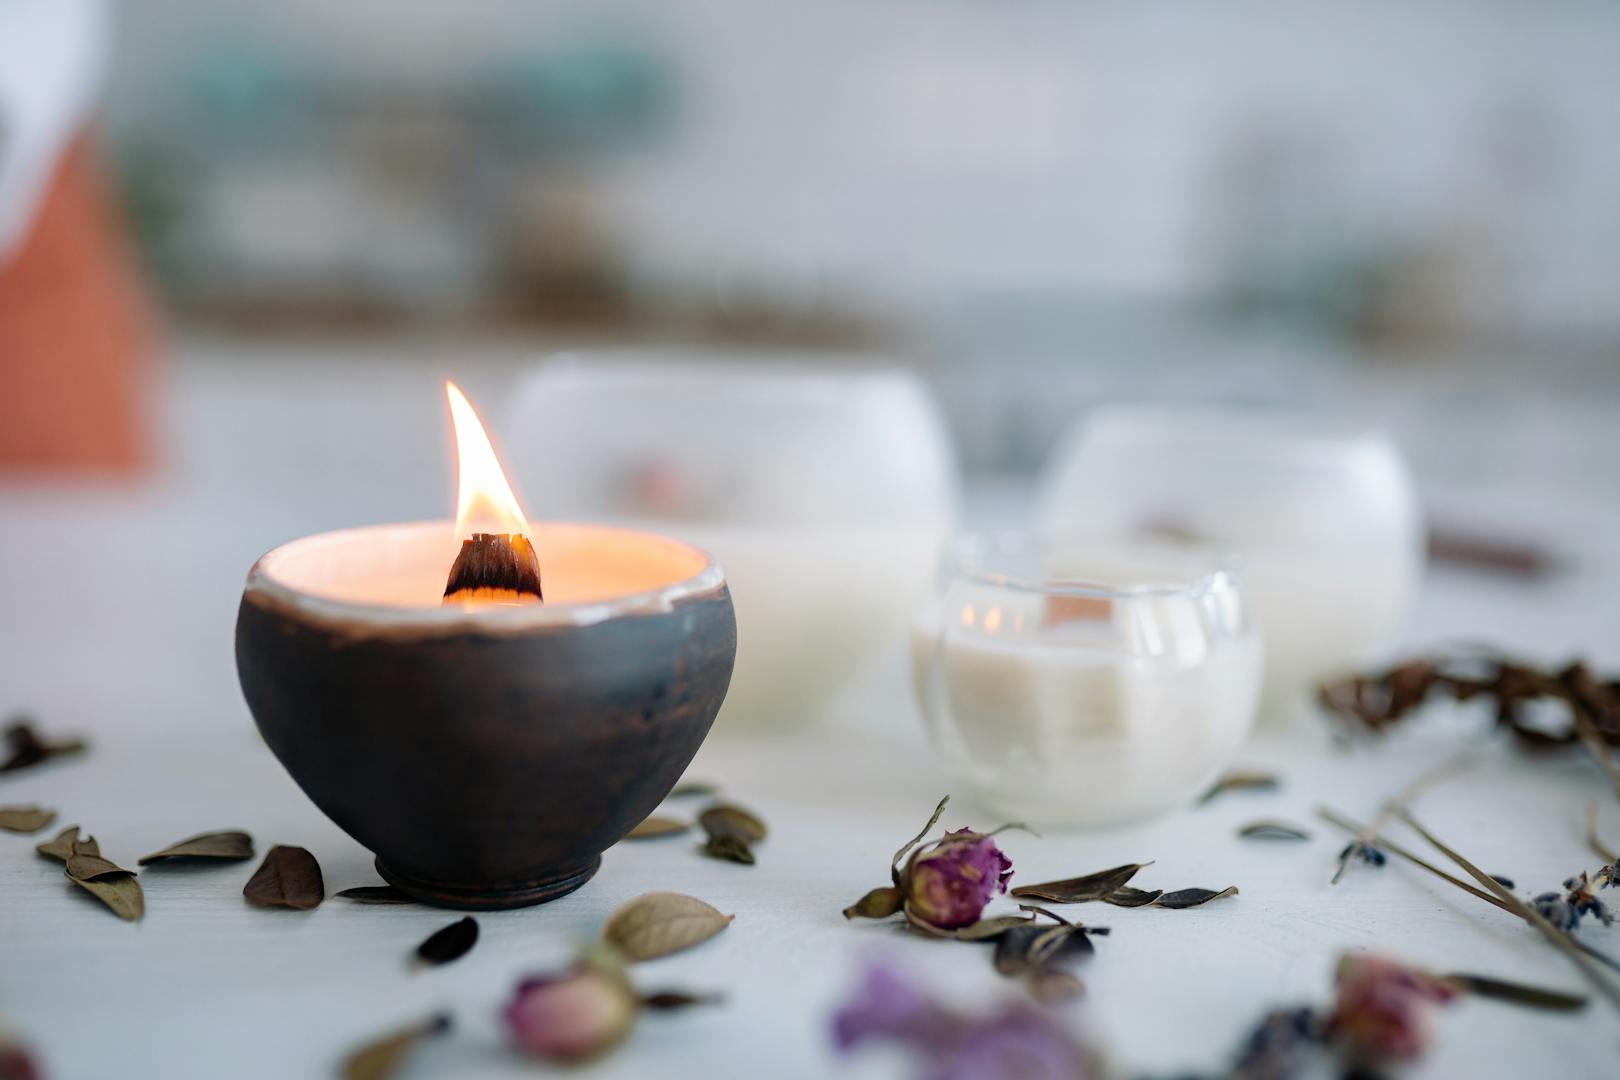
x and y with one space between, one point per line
25 819
289 877
1381 1012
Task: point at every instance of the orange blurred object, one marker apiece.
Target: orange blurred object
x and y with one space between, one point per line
76 335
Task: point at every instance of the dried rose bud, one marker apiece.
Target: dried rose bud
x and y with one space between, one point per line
949 884
577 1015
16 1064
1382 1009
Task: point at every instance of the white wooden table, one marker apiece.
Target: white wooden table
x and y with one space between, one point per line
116 612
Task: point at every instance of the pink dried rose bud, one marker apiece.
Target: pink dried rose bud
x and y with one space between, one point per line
949 884
1382 1011
577 1015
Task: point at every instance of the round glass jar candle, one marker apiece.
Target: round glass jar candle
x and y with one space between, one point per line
1323 515
487 755
1075 683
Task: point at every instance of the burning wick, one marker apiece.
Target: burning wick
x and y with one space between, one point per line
497 566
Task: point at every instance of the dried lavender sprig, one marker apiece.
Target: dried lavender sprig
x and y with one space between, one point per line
1335 818
1362 846
1558 938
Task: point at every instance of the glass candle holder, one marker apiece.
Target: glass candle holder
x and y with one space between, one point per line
1076 683
1323 515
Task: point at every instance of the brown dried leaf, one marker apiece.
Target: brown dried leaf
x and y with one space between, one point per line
1242 780
1535 997
693 789
1052 986
231 846
877 904
1130 896
989 929
670 1000
61 846
1027 948
1078 890
376 894
451 943
730 848
381 1059
86 867
116 888
25 819
288 877
1187 898
662 923
656 826
723 819
1272 829
25 747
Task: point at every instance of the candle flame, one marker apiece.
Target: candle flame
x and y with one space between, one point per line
484 500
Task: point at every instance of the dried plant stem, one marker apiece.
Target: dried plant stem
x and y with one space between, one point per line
1592 739
1335 818
1425 780
1332 817
1599 848
1558 938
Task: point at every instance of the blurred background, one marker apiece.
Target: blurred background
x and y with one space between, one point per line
246 240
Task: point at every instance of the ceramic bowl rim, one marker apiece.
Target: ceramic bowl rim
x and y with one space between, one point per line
263 586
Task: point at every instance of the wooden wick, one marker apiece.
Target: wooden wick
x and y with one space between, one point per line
495 568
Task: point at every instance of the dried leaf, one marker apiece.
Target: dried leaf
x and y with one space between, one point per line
451 943
722 819
25 747
693 789
1027 948
376 894
670 1000
379 1060
1187 898
1078 890
730 848
662 923
1129 897
231 846
877 904
61 846
288 877
1535 997
1241 780
656 826
987 929
1051 986
25 819
107 882
939 812
1272 829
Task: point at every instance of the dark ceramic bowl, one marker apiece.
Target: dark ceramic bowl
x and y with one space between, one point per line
486 756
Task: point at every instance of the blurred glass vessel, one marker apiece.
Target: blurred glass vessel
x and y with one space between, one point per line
1323 517
1072 682
823 483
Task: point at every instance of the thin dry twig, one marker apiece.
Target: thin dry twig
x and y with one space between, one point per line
1558 938
1427 779
1599 848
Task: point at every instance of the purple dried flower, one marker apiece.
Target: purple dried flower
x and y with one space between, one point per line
1579 898
1607 877
1368 854
1018 1042
1382 1009
573 1016
949 884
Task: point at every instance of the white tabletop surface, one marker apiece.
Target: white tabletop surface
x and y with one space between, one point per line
116 612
